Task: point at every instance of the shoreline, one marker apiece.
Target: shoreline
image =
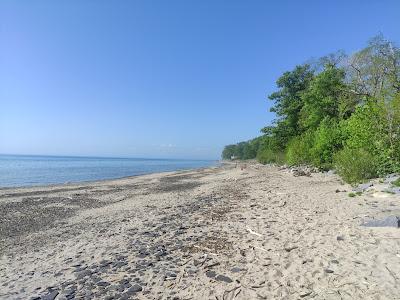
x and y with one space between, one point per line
222 232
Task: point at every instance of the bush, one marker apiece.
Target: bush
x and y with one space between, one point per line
327 141
268 156
355 165
298 149
374 127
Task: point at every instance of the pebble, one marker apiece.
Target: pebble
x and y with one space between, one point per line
237 270
334 261
51 296
224 278
134 289
103 283
391 221
170 274
211 274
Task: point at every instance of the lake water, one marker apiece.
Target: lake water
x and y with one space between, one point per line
24 170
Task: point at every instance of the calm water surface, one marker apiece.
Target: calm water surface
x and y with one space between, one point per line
24 170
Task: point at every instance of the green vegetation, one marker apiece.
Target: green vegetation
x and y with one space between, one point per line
352 194
396 182
355 165
341 112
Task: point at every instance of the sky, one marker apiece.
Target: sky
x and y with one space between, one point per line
161 79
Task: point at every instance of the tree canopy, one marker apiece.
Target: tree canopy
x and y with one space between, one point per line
343 112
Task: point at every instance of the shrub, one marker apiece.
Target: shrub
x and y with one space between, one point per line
374 127
266 156
298 149
327 141
355 165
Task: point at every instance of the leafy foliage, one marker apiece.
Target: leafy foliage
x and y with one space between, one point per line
355 165
298 149
289 102
342 113
327 141
268 151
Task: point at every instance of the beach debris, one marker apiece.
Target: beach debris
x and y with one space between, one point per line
305 294
391 221
233 291
301 172
212 265
262 249
340 238
253 232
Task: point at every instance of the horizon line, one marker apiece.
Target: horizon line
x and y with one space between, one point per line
106 157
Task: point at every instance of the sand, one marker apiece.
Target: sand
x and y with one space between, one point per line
254 232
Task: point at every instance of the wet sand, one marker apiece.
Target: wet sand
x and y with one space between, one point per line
226 232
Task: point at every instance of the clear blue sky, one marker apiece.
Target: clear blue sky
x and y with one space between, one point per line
177 79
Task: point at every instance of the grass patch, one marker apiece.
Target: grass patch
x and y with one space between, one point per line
396 182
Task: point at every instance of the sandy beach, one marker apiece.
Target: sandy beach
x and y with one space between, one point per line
230 232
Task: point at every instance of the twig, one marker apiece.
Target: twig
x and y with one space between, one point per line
229 291
212 265
391 273
186 262
262 249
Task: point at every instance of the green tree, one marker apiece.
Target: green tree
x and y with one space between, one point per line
342 112
289 102
228 151
326 96
374 72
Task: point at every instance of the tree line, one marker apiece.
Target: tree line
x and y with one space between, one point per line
339 112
